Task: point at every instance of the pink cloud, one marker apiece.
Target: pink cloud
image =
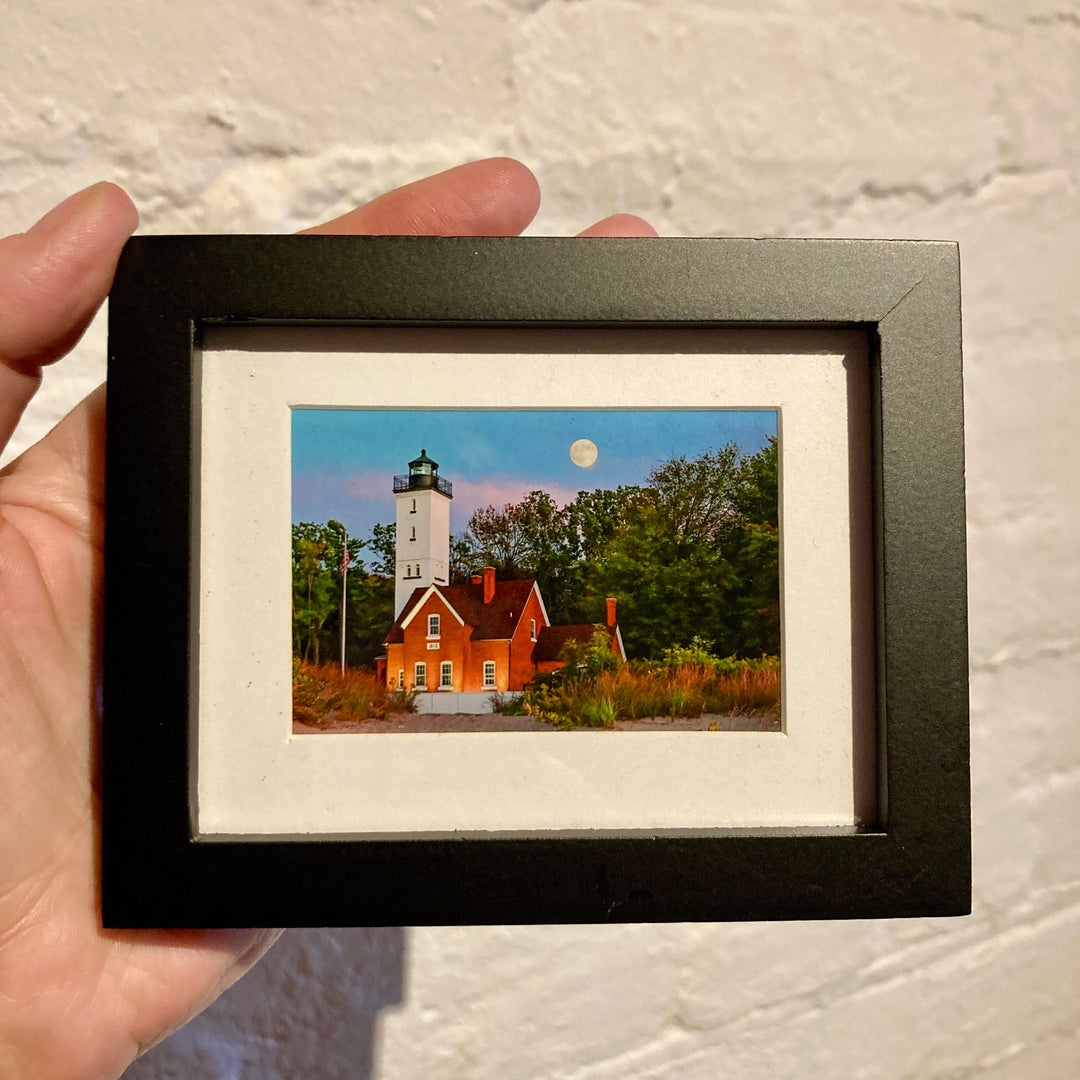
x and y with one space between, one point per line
469 495
498 491
317 486
369 485
491 491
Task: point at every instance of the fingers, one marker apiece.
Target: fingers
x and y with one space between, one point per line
53 279
494 197
620 225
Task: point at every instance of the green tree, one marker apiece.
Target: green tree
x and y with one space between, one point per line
693 552
517 537
317 554
699 496
383 546
757 496
369 616
529 539
596 517
669 588
755 553
465 560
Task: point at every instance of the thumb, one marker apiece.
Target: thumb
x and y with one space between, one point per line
53 279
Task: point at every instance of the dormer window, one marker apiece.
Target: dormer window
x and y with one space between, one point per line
433 626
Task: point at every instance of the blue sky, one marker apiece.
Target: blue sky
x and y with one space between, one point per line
344 460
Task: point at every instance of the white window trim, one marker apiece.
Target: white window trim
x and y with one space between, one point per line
494 674
446 668
437 632
420 674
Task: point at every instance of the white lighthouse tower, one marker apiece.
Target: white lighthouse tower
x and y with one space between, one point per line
423 529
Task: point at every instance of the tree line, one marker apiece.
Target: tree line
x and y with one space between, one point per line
692 552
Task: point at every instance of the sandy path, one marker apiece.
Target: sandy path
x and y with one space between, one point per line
442 722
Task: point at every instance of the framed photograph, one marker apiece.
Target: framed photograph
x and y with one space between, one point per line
641 560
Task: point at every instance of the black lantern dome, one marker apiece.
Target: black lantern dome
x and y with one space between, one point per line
423 465
423 474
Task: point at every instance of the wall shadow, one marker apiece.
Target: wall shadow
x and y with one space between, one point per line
309 1008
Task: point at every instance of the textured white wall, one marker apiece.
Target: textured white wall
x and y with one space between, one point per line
931 118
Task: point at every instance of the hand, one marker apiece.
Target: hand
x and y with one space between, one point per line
77 1001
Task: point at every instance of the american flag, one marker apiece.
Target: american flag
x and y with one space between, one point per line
345 560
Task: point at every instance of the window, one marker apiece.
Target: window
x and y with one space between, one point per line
413 510
489 673
446 674
413 537
532 629
401 678
420 675
433 626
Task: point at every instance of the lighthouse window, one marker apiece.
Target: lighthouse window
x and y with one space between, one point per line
413 536
420 675
433 626
413 511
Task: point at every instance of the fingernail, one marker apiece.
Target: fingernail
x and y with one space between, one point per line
69 209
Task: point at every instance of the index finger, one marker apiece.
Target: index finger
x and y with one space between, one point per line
493 197
53 278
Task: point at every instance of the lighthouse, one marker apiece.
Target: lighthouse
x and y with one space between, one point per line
423 529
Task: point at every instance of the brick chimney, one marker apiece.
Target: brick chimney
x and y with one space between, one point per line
611 601
476 579
489 584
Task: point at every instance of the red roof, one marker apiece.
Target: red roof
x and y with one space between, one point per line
494 621
551 639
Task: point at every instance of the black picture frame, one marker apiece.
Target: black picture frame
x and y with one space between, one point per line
905 295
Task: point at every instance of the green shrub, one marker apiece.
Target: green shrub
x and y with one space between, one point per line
401 701
697 654
508 704
587 659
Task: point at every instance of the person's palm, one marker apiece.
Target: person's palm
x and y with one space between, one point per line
76 1000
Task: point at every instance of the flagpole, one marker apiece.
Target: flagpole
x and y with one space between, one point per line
344 579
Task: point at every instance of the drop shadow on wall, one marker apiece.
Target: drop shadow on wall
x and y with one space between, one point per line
310 1008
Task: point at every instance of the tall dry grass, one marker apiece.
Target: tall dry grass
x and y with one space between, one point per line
637 691
322 693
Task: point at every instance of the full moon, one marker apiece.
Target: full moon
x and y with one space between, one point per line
583 452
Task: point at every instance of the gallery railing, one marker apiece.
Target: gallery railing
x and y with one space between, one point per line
422 481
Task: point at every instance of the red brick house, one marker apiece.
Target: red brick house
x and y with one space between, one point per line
485 636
